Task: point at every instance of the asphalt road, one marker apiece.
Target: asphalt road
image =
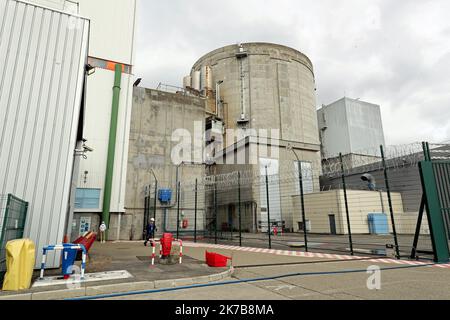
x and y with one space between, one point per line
408 283
362 244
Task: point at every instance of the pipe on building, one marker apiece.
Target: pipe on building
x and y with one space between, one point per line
112 146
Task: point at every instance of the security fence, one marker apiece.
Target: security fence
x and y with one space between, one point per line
13 213
361 204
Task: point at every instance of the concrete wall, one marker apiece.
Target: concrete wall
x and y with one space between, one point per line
278 90
155 116
319 206
282 187
404 180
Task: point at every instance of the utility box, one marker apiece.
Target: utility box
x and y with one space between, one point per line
165 195
378 224
20 259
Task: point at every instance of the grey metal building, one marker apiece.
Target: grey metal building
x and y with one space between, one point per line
350 126
43 54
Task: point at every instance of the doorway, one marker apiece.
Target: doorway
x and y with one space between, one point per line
332 219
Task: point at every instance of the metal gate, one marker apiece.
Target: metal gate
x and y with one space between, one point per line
442 176
435 175
13 213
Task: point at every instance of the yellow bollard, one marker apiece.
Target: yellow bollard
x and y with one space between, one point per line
20 259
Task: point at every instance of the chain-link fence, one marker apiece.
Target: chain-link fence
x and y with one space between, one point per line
363 204
13 213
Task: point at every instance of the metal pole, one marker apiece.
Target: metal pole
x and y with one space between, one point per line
268 209
215 213
178 209
347 211
195 211
418 227
240 210
391 209
231 227
302 199
425 151
428 151
107 191
145 215
154 200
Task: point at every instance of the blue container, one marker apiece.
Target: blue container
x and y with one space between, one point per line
378 224
165 195
68 260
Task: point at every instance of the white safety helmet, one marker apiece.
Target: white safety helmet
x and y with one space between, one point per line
152 219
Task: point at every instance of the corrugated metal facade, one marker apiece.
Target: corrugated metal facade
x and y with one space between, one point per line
42 58
350 126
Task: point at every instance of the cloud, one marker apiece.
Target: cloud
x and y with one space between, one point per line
393 53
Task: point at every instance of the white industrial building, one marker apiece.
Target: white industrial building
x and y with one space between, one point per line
350 126
111 42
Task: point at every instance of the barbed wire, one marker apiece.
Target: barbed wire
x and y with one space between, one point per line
364 161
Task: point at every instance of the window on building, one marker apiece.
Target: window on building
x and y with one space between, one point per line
87 198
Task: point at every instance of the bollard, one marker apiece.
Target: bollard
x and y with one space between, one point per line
181 251
153 252
61 248
154 242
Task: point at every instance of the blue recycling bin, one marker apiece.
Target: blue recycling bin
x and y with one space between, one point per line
68 260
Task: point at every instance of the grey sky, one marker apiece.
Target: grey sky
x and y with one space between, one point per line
393 53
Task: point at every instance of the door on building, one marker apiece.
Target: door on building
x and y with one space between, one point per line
231 214
332 219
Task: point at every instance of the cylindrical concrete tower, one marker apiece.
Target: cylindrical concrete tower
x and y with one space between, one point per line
266 86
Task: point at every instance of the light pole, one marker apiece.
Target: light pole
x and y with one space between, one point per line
302 198
156 194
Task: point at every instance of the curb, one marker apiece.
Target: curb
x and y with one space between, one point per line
314 255
117 288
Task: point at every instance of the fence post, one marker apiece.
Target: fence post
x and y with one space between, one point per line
302 199
347 211
146 214
268 209
215 213
195 211
155 200
5 221
231 228
178 208
391 209
240 209
421 210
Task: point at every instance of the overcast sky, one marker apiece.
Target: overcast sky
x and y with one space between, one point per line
392 53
